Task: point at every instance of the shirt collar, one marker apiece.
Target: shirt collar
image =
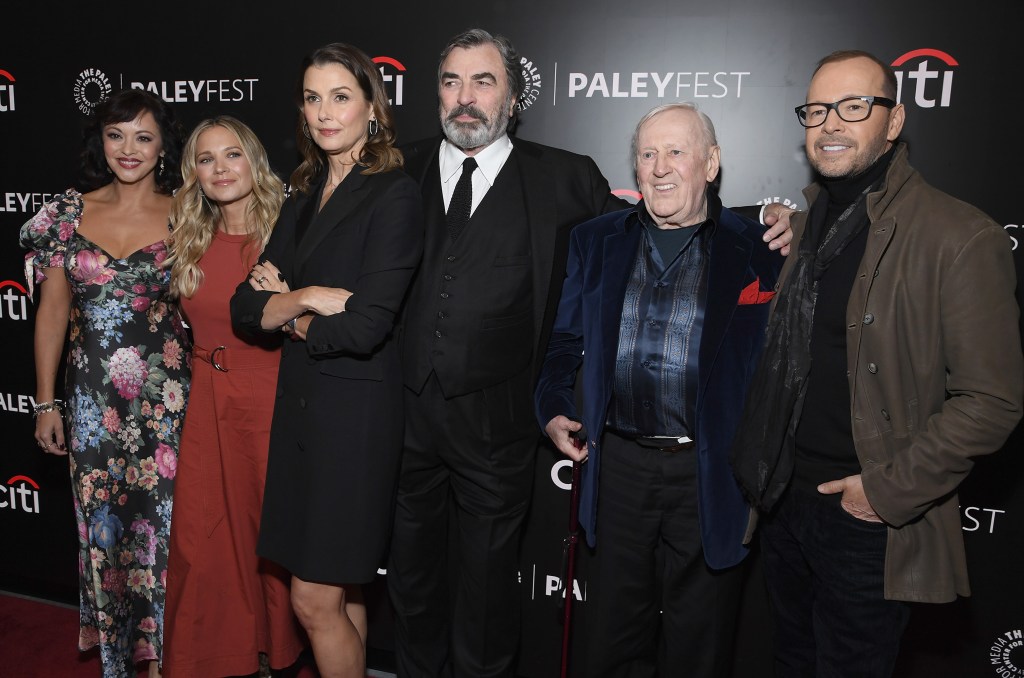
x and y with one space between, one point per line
489 161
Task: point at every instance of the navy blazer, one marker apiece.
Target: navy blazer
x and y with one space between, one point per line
742 273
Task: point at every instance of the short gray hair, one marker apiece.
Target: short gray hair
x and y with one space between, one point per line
707 127
475 37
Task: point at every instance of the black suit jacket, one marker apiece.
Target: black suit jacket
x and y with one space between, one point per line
560 190
368 240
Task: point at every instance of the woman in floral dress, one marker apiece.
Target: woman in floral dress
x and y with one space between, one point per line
97 258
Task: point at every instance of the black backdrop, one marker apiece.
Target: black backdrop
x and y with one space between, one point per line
594 68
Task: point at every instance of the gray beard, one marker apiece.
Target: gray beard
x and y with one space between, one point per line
474 135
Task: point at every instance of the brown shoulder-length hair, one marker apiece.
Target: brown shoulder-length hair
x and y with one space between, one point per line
379 153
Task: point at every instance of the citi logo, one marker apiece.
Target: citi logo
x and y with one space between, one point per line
6 91
932 64
386 64
21 493
12 301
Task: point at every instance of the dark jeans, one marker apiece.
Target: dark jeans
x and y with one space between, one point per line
824 570
654 606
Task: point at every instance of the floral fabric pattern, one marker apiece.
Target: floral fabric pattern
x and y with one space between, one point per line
127 382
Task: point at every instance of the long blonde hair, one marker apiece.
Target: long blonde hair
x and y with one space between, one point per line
194 217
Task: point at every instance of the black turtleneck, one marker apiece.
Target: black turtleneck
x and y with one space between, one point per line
824 440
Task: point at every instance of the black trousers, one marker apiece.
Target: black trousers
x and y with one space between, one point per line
464 489
825 573
654 607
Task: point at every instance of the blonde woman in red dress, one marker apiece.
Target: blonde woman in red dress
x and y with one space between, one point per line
225 605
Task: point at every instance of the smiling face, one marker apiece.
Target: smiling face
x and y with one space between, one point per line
838 148
674 165
133 148
474 92
222 169
336 111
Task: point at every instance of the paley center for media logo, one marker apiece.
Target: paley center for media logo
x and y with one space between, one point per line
1006 655
392 72
91 87
13 304
6 91
21 493
931 71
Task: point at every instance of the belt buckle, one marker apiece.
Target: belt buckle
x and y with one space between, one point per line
213 359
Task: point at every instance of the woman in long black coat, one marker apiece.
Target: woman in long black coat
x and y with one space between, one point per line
333 275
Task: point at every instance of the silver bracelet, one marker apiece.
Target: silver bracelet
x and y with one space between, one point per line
291 323
48 406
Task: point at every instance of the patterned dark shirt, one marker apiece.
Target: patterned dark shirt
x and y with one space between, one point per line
659 331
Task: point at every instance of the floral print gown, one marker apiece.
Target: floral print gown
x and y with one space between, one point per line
127 382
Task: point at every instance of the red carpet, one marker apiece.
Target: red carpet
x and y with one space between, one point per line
39 639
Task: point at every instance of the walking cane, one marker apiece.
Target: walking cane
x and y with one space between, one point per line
579 439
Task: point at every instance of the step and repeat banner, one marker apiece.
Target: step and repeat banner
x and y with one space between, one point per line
593 68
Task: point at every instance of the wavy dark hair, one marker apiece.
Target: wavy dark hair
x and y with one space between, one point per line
379 153
128 104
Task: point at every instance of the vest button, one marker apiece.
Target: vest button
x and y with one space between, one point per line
869 318
448 276
450 257
872 368
437 333
444 295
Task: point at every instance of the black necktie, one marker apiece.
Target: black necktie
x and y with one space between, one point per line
462 200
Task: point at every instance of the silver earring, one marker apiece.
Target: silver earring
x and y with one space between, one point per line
305 130
161 165
374 126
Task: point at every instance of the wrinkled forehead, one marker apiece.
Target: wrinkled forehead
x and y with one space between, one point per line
676 126
474 62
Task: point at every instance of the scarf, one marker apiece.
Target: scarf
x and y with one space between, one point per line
762 453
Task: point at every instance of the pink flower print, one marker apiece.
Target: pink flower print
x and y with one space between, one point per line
128 371
122 500
113 581
166 460
158 413
139 288
172 354
140 304
147 625
91 267
111 420
118 292
65 230
131 475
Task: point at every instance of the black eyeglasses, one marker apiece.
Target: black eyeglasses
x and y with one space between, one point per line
851 109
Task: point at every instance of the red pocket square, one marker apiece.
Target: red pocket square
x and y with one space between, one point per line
752 294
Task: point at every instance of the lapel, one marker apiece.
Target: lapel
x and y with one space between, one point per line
727 269
538 187
619 257
436 238
346 198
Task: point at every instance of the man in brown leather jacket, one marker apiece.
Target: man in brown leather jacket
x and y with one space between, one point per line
893 357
